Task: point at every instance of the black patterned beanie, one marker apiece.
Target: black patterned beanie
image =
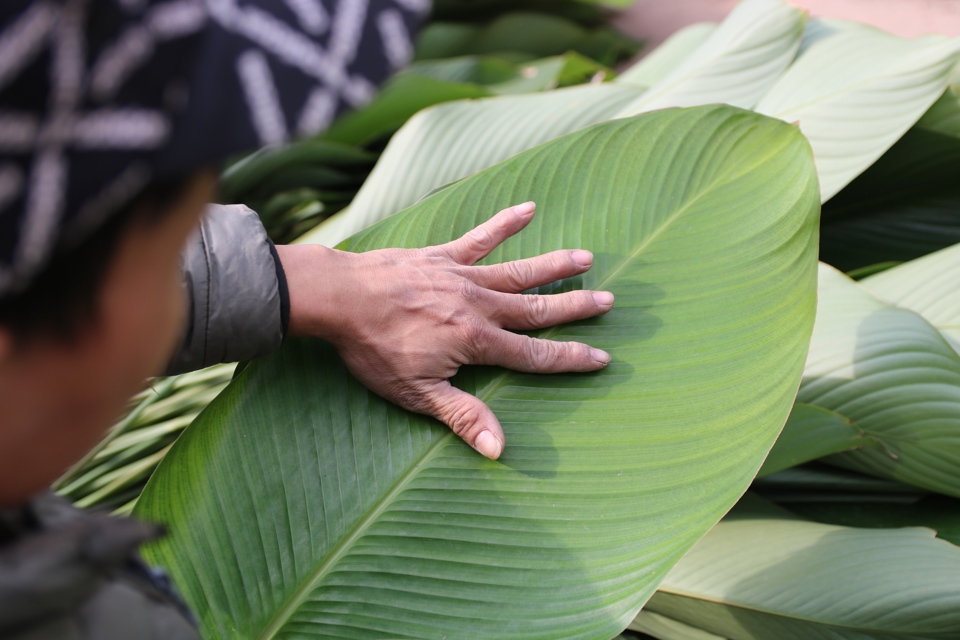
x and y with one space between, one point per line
99 98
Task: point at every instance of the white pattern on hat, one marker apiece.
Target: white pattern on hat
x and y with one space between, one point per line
262 97
396 41
310 14
24 39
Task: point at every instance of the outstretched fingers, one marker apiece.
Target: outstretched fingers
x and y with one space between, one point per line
467 416
477 243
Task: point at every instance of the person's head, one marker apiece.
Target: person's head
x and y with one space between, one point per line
93 325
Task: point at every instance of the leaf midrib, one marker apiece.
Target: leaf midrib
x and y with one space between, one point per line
300 595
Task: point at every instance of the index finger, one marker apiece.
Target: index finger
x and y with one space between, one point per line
477 243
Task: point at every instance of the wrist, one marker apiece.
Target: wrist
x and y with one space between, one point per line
318 283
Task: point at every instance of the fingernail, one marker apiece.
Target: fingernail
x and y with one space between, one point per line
525 210
583 258
600 356
603 298
487 444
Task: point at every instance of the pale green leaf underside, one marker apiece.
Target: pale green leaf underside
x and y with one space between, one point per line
810 433
855 92
895 376
661 61
929 286
762 574
301 504
664 628
736 64
451 141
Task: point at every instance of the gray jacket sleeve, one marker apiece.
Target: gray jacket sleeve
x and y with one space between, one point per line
236 289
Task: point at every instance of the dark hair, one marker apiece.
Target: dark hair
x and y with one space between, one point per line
63 299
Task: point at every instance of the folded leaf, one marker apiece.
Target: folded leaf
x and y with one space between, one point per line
763 574
894 375
856 92
301 503
737 64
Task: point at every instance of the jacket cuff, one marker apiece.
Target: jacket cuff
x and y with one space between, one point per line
232 278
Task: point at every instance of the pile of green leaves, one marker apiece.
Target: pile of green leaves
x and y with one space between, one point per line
301 504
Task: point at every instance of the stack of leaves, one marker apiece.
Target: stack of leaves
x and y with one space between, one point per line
113 474
295 186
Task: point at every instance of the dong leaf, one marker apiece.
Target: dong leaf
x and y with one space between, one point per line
448 142
894 375
300 503
762 573
855 92
736 64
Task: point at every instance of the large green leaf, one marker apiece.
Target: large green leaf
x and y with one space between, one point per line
856 92
736 64
930 286
300 503
655 66
763 574
894 375
448 142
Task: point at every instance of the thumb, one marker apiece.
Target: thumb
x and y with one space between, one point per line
468 417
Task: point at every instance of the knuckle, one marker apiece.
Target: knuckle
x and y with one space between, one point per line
468 292
542 354
470 332
517 274
463 417
481 238
538 309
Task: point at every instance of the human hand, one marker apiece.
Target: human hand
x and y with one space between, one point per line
405 320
